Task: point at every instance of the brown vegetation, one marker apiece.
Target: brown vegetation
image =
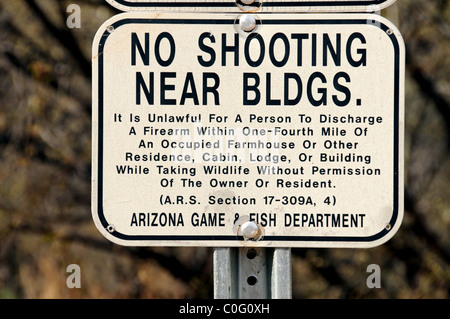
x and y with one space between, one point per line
45 162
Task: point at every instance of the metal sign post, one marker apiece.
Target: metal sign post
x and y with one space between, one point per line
252 5
252 273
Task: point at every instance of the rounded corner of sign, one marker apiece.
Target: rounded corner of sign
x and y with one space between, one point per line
374 7
392 28
389 3
110 236
383 5
384 239
104 230
104 29
379 242
118 6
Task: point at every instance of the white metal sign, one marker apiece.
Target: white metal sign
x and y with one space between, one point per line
256 5
199 126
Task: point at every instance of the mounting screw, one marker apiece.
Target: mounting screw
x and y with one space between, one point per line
247 22
250 230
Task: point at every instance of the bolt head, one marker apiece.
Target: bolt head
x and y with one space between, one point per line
247 22
250 230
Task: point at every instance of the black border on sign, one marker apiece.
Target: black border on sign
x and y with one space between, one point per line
271 4
396 109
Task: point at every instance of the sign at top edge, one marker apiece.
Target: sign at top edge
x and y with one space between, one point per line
253 6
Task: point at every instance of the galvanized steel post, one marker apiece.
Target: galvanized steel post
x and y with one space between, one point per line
252 273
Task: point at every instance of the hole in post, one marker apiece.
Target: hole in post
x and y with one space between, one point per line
252 280
252 253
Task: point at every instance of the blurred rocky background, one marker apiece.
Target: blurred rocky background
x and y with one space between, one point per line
45 163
